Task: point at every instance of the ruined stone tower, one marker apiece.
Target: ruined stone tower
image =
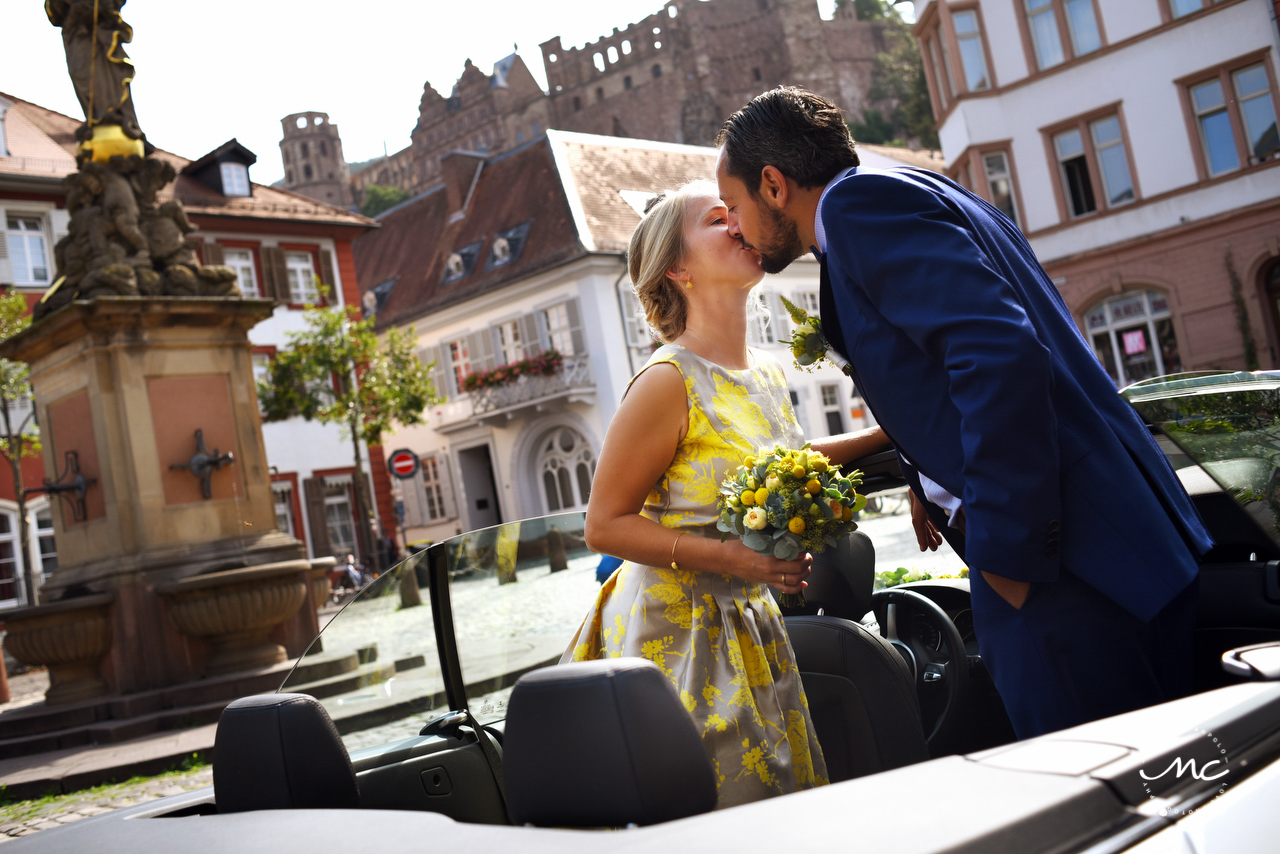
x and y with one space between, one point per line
313 161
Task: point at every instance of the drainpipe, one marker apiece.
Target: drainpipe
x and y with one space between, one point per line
622 311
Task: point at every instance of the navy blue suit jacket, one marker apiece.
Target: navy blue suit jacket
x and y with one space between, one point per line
971 361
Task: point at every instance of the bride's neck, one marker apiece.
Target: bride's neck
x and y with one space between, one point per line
716 330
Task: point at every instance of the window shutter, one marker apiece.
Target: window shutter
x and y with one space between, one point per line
6 268
575 326
446 486
4 244
781 320
275 277
60 221
529 335
415 511
330 295
439 377
214 254
313 489
632 320
480 349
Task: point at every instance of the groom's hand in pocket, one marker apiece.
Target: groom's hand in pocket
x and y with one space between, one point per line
926 532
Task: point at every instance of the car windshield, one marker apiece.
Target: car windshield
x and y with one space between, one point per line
510 599
1226 423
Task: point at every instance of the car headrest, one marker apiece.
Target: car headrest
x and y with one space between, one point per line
280 751
603 744
842 579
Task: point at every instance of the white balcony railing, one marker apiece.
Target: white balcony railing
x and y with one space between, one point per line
573 382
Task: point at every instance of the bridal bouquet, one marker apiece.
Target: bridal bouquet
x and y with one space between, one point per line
784 502
808 344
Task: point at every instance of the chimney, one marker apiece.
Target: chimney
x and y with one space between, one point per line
460 169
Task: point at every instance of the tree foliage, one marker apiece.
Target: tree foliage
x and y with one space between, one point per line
313 377
336 372
897 77
19 436
379 197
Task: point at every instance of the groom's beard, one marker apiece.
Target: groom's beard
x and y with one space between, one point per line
781 245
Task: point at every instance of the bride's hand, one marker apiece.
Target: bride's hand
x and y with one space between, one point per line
787 576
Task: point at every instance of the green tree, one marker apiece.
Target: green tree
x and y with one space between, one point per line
335 371
897 77
379 197
19 436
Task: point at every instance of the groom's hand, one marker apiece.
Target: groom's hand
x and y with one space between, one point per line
926 532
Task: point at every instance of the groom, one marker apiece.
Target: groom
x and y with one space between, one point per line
1082 544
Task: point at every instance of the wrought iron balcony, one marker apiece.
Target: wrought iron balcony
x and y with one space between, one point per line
527 395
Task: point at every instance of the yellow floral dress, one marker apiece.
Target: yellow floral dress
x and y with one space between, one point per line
718 638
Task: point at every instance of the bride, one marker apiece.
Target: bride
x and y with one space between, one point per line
697 607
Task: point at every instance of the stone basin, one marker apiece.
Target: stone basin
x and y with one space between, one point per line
321 585
70 637
236 610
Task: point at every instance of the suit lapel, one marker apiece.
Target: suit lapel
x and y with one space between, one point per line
827 310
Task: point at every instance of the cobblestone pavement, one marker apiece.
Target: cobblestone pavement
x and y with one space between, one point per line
23 818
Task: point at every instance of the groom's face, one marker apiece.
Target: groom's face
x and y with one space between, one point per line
758 225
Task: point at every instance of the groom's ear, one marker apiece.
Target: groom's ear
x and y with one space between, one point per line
773 187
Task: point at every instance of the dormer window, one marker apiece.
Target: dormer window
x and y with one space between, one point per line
507 246
501 250
460 263
235 179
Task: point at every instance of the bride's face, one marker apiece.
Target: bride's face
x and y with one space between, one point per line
712 257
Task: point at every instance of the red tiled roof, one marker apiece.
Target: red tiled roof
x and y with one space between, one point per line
43 144
417 237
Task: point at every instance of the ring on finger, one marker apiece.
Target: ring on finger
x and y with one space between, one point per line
784 578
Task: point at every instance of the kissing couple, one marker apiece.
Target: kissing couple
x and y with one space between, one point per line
1017 448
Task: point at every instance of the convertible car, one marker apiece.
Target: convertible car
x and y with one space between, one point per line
447 726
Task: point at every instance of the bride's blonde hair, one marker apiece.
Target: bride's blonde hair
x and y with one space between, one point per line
656 246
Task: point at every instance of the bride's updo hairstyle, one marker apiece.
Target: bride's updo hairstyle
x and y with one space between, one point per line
657 245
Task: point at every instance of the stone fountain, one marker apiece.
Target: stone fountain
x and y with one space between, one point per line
171 569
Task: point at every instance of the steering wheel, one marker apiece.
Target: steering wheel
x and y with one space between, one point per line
947 668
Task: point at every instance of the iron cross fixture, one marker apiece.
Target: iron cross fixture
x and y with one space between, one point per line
72 485
204 462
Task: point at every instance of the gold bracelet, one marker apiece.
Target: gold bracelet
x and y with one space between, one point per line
675 565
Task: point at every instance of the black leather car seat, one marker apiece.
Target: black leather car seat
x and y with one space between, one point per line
602 744
861 694
280 751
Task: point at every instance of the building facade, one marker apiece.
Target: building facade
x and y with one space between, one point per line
279 243
674 76
1134 142
512 256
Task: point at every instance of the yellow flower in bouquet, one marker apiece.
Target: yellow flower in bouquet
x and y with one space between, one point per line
805 505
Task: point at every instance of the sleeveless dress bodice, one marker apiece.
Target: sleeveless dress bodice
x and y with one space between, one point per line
719 639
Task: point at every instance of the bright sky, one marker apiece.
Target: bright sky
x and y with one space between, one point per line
234 68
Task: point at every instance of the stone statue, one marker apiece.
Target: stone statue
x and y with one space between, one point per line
100 69
121 240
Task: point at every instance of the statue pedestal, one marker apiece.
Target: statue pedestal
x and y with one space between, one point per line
121 386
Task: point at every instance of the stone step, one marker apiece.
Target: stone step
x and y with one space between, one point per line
37 727
113 732
363 676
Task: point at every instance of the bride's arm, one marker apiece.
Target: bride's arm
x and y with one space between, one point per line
852 446
638 447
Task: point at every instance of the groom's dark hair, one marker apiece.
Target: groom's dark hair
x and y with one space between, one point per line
802 135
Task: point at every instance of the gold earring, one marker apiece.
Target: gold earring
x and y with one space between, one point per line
688 284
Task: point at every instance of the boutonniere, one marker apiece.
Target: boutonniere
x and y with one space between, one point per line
809 345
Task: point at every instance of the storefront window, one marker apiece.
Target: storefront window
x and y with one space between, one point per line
1133 338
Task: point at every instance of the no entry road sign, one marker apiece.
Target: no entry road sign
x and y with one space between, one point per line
403 463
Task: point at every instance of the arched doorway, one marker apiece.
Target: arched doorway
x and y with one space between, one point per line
565 465
1132 336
